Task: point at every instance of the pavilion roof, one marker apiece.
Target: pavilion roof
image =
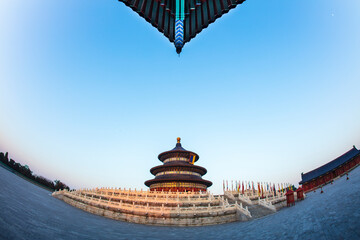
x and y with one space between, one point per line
179 164
198 14
329 166
179 151
178 178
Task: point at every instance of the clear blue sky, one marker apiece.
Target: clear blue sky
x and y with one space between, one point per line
90 93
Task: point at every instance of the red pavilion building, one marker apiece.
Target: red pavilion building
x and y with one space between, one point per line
178 172
331 170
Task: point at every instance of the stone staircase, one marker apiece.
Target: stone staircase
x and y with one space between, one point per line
256 210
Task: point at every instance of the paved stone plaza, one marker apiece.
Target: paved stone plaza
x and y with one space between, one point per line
30 212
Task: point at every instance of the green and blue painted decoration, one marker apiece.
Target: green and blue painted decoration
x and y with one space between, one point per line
179 25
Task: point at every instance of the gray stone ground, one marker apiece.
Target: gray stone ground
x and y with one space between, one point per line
29 212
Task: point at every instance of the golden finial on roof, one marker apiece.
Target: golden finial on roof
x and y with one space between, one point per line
178 140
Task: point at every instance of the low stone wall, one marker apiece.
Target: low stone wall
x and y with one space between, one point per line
172 208
216 213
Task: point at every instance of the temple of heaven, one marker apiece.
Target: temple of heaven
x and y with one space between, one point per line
178 173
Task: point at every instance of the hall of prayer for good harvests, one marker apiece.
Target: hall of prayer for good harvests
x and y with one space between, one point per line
178 172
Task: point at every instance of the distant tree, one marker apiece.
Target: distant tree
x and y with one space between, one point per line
25 171
3 159
60 186
12 163
17 166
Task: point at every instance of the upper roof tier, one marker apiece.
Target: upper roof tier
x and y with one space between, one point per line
177 151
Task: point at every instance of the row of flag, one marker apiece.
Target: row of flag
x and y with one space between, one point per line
262 187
